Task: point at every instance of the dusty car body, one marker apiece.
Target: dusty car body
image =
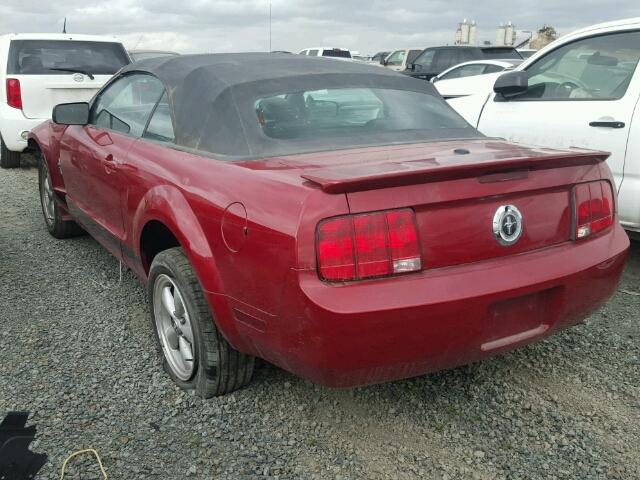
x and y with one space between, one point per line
379 254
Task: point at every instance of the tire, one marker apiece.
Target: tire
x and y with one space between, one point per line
216 368
56 226
8 159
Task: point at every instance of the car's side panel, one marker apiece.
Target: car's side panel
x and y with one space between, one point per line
46 138
236 228
629 196
90 160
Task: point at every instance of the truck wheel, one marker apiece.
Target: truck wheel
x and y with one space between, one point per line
195 354
56 226
8 159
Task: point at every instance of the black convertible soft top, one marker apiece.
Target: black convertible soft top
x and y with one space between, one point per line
212 98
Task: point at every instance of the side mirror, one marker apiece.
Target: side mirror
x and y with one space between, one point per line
411 66
511 84
71 113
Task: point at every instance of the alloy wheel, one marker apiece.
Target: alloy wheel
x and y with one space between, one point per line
174 327
46 197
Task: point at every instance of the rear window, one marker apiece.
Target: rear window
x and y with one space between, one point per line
349 113
500 53
336 52
48 57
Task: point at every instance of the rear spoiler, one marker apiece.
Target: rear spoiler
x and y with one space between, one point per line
355 178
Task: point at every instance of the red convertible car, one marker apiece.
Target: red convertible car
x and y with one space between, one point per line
336 219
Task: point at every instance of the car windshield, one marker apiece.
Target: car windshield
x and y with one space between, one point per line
358 116
59 57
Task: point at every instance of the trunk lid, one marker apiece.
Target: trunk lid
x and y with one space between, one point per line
456 195
482 160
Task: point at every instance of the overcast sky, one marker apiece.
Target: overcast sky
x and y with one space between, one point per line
243 25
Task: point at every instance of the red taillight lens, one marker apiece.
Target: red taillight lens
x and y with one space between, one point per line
369 245
594 208
14 95
372 246
335 248
403 241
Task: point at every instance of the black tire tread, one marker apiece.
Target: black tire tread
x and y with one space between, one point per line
8 159
221 369
60 228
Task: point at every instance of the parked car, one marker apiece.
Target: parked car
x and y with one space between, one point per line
137 55
39 70
379 57
435 60
396 239
471 78
581 90
399 59
340 53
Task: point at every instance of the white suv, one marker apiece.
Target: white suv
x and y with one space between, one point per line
39 71
338 53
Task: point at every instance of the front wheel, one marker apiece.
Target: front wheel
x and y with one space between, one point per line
195 354
56 226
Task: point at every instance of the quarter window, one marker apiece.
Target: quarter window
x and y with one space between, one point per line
596 68
125 106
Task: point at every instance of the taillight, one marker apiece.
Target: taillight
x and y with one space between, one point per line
14 95
369 245
593 208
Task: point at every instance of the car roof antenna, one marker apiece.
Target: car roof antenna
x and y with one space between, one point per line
64 25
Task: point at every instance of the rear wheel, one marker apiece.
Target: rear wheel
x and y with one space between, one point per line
196 356
8 159
56 226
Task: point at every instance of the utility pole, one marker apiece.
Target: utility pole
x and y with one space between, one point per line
269 25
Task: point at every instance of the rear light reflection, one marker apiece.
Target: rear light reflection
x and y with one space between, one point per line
14 94
594 208
370 245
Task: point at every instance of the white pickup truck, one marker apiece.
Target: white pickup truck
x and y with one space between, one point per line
582 90
40 70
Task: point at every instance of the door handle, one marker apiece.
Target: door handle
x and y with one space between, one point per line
607 124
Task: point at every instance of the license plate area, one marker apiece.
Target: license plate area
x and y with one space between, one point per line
519 319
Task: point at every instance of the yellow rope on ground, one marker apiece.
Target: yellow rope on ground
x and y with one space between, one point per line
80 452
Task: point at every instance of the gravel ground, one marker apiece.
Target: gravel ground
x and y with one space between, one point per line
77 351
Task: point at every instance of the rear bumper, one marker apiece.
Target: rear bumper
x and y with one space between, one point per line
12 124
389 329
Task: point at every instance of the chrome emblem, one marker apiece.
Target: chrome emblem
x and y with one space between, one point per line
78 77
507 225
